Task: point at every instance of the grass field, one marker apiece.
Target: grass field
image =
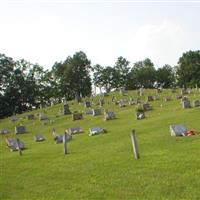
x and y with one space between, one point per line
103 166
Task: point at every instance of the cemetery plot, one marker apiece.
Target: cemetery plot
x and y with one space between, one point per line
14 144
72 131
96 131
181 130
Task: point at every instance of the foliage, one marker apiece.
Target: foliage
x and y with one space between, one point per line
188 69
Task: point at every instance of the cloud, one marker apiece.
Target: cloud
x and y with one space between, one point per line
163 43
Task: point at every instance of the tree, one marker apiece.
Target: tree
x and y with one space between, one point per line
72 76
121 66
188 69
165 76
143 74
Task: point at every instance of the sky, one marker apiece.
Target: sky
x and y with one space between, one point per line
46 31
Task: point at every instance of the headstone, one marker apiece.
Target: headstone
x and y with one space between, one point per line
141 91
72 131
20 129
122 103
89 112
196 103
66 109
140 115
109 115
123 91
150 98
167 98
132 102
14 145
97 131
186 104
77 116
31 117
39 138
178 130
179 97
87 104
96 112
184 91
14 119
42 117
4 131
146 107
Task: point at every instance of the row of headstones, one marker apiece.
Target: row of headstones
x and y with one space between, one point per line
186 103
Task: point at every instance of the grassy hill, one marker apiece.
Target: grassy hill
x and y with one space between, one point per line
103 166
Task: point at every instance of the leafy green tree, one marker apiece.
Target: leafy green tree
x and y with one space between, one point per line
143 74
122 69
165 76
72 76
188 69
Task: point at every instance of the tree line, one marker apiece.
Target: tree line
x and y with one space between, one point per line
24 86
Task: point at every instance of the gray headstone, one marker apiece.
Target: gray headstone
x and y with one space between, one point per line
150 98
13 144
77 116
96 131
178 130
87 104
31 117
186 104
196 103
72 131
4 131
140 115
146 107
96 112
20 129
66 109
109 115
39 138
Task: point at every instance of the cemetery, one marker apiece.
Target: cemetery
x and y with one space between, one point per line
167 138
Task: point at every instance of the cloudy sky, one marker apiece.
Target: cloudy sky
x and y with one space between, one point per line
43 32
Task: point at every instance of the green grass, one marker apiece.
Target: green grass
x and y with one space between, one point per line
103 166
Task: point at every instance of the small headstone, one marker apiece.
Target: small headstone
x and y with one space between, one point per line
196 103
179 97
42 117
97 131
72 131
14 119
146 107
184 91
113 98
87 104
78 98
140 115
141 91
39 138
150 98
20 129
4 131
186 104
88 112
66 109
109 115
96 112
122 103
31 117
167 98
77 116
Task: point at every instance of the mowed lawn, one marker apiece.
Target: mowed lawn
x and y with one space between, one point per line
103 166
